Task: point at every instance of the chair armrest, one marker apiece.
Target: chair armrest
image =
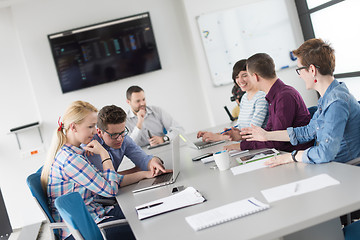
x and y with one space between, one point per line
57 225
114 223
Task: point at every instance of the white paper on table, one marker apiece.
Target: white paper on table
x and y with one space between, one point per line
248 167
208 159
299 187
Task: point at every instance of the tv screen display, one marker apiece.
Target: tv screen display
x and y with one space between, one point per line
104 52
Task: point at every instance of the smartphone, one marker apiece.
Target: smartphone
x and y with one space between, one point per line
149 134
202 156
260 155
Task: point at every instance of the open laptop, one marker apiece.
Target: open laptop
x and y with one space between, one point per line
164 179
198 144
5 226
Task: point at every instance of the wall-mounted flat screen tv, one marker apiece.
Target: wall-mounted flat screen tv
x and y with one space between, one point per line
104 52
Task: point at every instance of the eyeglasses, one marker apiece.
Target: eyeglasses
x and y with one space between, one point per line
300 68
116 135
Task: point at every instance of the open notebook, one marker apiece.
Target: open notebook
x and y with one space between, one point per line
225 213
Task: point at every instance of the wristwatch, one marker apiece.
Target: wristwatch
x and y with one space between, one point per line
166 138
293 154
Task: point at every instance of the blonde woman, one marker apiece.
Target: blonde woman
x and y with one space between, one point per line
67 169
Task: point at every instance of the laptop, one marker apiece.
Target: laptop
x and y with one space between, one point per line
159 145
167 178
199 144
5 226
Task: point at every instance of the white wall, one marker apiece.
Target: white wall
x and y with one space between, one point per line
32 92
217 97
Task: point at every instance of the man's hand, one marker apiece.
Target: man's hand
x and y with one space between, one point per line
233 133
156 167
155 140
141 116
254 133
235 146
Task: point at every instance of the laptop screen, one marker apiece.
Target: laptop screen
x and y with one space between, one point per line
5 226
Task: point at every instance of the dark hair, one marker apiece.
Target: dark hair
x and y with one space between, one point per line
131 90
237 93
110 115
261 64
237 68
317 52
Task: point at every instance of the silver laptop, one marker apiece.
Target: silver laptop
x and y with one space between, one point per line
199 144
167 178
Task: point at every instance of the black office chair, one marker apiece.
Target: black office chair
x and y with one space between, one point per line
312 110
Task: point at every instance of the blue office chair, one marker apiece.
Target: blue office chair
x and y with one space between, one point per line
352 231
34 183
82 226
312 110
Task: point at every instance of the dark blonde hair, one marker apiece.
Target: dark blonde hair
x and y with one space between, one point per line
75 113
319 53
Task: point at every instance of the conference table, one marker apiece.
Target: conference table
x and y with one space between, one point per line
313 215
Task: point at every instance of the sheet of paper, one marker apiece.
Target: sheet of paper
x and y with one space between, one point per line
248 167
233 153
299 187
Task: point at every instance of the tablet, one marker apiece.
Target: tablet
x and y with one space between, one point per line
259 155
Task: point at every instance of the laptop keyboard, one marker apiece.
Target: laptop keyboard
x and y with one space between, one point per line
162 178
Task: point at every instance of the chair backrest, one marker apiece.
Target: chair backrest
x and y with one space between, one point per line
73 210
34 183
312 110
352 231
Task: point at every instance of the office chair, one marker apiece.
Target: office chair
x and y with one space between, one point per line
34 183
82 226
352 231
312 110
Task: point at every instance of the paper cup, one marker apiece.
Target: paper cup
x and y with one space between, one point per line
222 160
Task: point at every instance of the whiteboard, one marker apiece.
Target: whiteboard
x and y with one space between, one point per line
238 33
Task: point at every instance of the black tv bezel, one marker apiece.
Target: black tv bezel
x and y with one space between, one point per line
70 31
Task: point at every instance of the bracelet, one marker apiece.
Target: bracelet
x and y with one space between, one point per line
105 160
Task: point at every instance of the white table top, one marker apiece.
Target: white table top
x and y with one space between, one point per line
219 188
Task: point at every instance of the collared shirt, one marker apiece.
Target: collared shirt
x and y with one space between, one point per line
335 126
286 109
71 172
128 148
253 111
156 120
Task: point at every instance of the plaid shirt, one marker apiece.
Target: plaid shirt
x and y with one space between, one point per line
72 172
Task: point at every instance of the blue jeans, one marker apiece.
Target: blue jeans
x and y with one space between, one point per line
118 232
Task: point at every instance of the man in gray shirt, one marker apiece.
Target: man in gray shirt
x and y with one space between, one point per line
148 124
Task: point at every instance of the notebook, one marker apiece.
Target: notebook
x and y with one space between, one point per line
188 197
199 144
164 179
225 213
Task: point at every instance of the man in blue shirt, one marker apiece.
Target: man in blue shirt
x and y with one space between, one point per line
112 135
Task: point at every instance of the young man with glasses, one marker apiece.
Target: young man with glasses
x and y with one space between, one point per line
112 134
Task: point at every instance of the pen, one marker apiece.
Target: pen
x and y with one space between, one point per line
150 206
229 129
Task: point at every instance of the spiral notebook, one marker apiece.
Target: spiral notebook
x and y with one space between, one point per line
225 213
